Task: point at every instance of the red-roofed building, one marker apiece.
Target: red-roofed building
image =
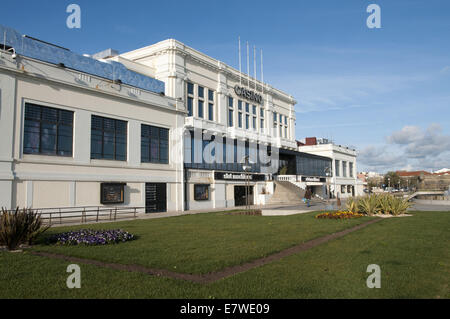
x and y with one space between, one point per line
412 174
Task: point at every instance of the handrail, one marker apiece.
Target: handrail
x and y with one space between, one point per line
61 215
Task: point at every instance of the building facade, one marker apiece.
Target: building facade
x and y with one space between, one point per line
79 132
344 178
162 128
230 117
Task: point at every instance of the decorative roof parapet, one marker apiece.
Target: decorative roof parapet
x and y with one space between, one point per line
59 56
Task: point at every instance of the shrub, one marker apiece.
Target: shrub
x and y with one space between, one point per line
352 205
91 237
382 204
19 227
399 206
369 205
385 204
339 215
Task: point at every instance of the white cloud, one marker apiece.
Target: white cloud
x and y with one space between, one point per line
411 148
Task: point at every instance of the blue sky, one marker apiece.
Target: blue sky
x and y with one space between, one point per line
384 91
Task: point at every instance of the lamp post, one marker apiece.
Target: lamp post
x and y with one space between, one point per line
328 174
247 168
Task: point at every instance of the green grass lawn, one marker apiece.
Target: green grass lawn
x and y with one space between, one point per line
203 243
413 254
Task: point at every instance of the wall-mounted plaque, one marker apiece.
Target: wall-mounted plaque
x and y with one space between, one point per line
112 193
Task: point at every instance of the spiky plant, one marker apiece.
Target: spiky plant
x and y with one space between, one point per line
385 204
36 228
369 205
399 206
18 227
352 205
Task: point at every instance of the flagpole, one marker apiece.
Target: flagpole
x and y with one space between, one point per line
254 66
240 63
248 67
262 72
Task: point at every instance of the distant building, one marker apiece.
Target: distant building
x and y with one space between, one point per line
343 175
412 174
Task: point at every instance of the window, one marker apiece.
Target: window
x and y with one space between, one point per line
351 169
344 169
254 123
210 112
338 168
200 109
343 188
240 105
190 106
247 107
230 111
108 139
254 109
201 192
201 96
211 105
247 121
230 118
240 119
47 131
190 99
261 116
190 88
154 144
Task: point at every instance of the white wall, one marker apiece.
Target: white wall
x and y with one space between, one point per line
47 181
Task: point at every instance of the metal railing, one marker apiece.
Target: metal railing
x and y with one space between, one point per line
86 214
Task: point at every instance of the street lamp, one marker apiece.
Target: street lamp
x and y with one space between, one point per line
247 168
328 174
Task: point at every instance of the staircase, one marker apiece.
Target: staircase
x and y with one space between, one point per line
287 193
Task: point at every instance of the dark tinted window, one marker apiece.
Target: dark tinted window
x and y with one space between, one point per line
47 131
154 144
108 139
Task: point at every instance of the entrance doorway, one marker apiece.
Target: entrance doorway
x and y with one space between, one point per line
239 196
155 198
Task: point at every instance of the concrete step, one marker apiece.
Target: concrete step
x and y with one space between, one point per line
286 193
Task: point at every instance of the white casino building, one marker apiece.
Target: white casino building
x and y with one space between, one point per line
163 128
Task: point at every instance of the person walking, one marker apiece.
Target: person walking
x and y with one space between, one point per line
308 196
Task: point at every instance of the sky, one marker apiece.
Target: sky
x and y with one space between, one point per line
384 91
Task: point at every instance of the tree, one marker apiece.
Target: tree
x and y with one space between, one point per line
392 179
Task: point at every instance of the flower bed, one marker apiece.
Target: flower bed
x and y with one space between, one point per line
91 237
339 215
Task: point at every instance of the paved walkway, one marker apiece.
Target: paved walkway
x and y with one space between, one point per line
215 276
287 209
